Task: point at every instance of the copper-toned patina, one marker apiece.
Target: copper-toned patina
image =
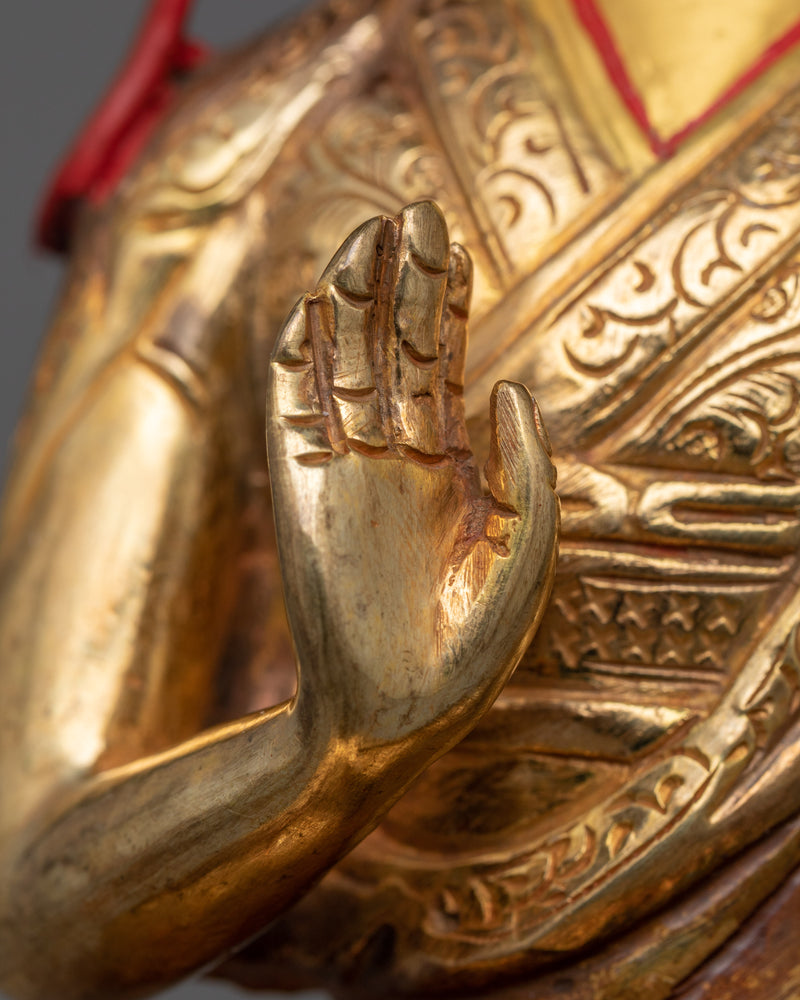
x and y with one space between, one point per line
621 817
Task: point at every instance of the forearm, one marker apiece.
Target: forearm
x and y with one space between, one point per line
109 597
142 875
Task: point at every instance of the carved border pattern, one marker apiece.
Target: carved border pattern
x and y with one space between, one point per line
740 413
477 126
671 284
529 162
505 905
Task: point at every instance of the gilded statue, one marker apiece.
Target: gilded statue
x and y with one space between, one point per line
441 691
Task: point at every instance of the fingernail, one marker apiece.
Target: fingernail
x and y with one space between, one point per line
426 231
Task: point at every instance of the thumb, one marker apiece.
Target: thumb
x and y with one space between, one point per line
522 479
519 465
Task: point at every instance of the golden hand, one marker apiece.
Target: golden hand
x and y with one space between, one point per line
411 594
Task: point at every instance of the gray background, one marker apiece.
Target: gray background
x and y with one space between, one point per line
56 59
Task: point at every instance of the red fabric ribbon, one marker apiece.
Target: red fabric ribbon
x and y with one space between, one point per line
122 123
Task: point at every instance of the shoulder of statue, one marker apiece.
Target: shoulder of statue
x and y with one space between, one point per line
236 116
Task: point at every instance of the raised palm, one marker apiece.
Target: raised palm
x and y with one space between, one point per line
411 594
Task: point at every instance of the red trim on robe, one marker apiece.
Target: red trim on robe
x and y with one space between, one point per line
120 126
664 146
